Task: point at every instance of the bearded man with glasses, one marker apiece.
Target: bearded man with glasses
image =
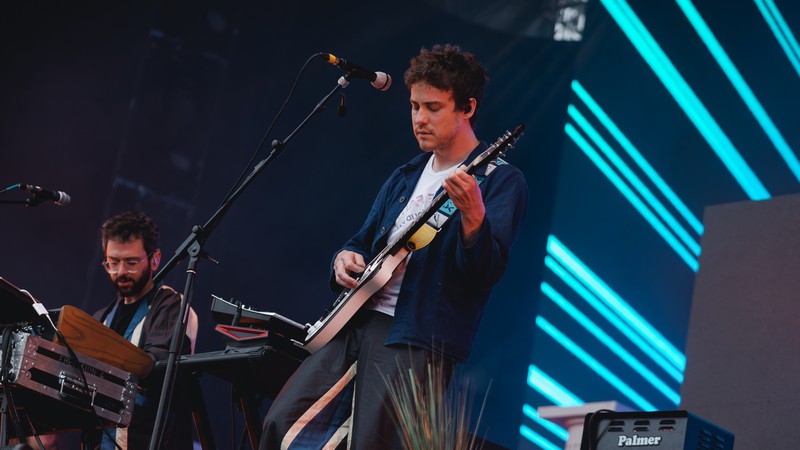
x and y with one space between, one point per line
145 315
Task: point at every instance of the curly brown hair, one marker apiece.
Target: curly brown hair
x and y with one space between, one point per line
448 68
131 225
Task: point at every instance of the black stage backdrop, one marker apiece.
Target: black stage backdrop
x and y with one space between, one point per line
159 105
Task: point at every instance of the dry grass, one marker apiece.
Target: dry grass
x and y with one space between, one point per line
428 415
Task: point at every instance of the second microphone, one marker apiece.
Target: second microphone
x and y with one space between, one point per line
380 80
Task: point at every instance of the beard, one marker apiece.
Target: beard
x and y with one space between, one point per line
137 285
435 140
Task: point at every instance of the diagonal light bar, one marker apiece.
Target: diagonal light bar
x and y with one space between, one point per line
560 432
594 364
551 388
637 203
626 144
741 86
646 347
641 38
537 438
564 256
634 180
781 31
610 342
686 98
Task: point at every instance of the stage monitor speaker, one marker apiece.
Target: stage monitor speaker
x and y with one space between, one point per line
662 430
741 350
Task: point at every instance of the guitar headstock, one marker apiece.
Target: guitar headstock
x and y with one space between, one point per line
510 139
499 148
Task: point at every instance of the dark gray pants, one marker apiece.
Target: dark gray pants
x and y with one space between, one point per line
318 398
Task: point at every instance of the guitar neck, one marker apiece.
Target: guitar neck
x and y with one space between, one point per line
441 198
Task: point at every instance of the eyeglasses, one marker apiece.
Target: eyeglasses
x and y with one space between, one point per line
129 265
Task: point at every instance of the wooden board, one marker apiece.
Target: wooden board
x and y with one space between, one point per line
89 337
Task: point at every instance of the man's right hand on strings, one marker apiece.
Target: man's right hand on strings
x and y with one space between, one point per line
346 265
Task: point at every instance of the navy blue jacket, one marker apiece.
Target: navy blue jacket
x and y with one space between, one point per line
446 285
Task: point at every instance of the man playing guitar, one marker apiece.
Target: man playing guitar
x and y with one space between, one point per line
431 303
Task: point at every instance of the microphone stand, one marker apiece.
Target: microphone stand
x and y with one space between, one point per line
193 247
27 202
35 201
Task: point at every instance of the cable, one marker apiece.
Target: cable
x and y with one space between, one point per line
13 186
594 419
35 434
271 125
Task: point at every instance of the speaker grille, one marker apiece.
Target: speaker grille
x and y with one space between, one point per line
665 430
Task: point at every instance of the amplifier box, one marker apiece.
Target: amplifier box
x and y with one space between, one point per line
50 390
662 430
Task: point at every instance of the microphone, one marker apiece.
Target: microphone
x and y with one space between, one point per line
380 80
40 195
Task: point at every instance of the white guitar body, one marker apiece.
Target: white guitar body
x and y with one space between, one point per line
351 300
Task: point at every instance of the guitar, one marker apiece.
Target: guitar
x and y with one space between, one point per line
378 272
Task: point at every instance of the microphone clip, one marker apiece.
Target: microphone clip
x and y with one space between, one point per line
341 110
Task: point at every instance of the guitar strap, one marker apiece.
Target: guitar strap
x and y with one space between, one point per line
439 218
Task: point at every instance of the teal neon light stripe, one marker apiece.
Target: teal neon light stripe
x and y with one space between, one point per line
634 180
686 98
537 439
626 144
781 31
646 347
648 215
551 388
560 432
609 342
741 86
594 364
614 301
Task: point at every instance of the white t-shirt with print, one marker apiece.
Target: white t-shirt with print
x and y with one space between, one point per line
428 184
